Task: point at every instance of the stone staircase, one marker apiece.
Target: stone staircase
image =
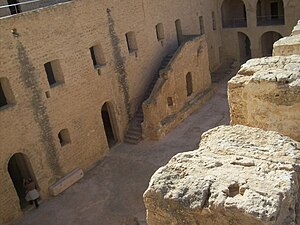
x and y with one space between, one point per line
134 132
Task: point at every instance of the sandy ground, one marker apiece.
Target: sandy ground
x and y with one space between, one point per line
112 192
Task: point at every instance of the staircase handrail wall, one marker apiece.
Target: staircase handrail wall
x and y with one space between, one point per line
191 56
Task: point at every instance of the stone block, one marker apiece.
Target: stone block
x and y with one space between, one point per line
238 176
265 93
66 182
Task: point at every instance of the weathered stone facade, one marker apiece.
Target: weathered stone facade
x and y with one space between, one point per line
251 34
34 121
239 175
102 57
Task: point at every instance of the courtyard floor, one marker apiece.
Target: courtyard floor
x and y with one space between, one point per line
112 192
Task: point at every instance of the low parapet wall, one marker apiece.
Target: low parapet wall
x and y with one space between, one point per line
288 45
265 93
238 176
181 88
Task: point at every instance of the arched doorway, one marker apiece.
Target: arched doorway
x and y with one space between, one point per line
244 47
109 124
19 168
270 12
267 41
233 14
178 31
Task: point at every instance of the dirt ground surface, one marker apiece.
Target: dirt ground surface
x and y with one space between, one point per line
112 192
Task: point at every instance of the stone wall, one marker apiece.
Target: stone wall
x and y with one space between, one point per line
288 45
30 124
239 175
169 102
232 43
265 92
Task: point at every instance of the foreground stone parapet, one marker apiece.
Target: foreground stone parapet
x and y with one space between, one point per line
238 176
265 93
288 45
296 30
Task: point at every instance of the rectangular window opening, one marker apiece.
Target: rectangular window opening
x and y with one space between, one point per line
64 137
213 21
201 23
6 94
3 100
160 32
54 73
131 41
97 56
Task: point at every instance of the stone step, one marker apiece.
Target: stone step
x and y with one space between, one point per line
133 136
139 115
131 132
135 127
132 140
134 133
164 65
139 120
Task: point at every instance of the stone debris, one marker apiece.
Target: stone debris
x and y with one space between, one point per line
238 176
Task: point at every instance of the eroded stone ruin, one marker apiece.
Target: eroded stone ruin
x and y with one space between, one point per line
265 92
238 176
79 77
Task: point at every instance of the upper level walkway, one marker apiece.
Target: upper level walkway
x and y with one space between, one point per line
11 7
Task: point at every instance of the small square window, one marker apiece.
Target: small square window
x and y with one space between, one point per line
54 73
131 41
64 137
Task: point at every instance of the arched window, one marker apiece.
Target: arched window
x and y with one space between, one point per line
269 12
234 14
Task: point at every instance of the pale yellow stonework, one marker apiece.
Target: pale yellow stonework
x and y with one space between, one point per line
160 116
37 113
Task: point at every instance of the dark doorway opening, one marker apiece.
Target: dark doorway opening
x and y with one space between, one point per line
19 168
267 41
178 31
244 47
108 125
15 8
